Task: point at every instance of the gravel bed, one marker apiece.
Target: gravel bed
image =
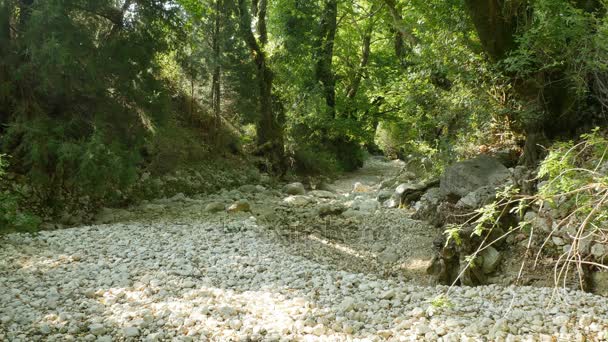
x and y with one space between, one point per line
224 278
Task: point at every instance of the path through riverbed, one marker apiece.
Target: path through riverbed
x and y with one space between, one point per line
168 270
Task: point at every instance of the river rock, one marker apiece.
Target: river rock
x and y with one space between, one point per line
97 329
599 251
599 281
361 188
297 200
323 194
248 188
131 332
296 188
240 206
491 259
331 209
215 207
467 176
477 198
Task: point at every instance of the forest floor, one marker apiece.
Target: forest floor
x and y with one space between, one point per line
328 265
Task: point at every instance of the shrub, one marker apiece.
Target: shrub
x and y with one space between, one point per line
12 216
62 166
308 160
573 191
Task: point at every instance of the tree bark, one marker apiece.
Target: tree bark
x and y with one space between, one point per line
496 24
365 52
403 34
216 90
5 43
269 130
25 12
325 52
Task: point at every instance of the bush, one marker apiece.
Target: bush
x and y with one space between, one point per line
12 217
572 195
61 166
311 161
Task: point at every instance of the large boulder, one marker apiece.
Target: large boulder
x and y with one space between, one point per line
478 198
464 177
426 208
294 189
411 192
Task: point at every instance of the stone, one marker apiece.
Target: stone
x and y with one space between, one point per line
412 192
248 188
45 329
296 188
599 251
558 241
97 329
478 198
239 206
390 294
131 331
351 213
215 207
491 259
347 328
179 197
318 330
426 207
538 223
389 256
326 209
384 195
348 304
297 200
386 334
464 177
326 187
323 194
366 206
361 188
391 203
235 324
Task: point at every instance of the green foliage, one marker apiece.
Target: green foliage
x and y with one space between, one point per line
574 184
308 161
12 216
442 301
560 47
60 167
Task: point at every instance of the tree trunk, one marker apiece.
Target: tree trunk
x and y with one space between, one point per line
325 53
25 11
496 24
403 34
269 130
216 90
5 42
365 52
120 20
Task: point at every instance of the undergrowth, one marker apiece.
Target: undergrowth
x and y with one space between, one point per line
573 187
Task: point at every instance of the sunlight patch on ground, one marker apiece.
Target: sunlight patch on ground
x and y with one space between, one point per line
343 248
416 264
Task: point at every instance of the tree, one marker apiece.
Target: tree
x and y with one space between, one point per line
269 126
546 47
216 85
325 53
